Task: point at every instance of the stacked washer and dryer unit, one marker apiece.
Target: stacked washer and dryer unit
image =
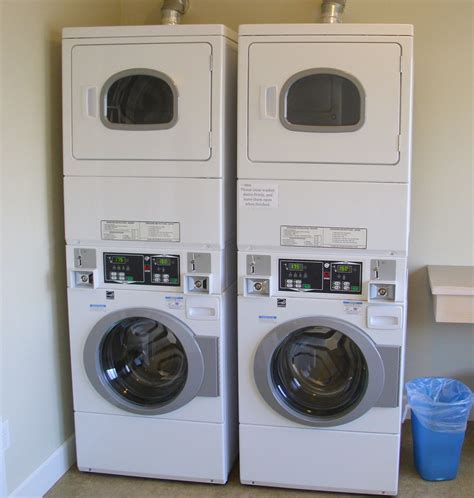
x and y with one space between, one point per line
324 145
149 164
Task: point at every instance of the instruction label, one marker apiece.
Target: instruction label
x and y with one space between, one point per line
328 237
259 195
97 307
174 302
148 231
353 307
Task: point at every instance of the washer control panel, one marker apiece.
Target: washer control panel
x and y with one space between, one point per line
143 269
330 277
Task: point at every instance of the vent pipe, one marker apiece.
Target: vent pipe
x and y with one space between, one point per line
173 10
332 10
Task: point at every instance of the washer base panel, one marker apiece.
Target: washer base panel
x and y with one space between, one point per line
321 460
147 447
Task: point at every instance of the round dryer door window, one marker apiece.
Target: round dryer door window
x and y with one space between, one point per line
144 361
139 99
319 371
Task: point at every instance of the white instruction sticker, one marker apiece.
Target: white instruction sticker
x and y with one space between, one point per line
97 307
352 307
148 231
330 237
259 195
174 302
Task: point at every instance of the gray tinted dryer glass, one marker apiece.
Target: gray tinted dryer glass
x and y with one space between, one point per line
143 361
319 371
324 100
139 99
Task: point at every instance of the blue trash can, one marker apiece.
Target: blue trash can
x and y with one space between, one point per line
440 409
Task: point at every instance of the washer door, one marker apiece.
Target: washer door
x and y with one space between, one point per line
319 371
144 361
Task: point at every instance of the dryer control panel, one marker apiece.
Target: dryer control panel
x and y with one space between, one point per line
334 277
142 269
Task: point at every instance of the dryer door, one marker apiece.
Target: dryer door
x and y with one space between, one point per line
324 372
318 103
148 362
149 101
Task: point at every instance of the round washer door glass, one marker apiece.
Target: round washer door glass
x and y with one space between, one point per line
143 361
319 371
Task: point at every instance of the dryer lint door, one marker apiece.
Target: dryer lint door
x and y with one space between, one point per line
319 103
141 102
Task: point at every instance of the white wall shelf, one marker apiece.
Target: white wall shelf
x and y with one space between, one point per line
453 293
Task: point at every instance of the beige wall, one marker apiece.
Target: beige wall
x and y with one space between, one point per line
36 391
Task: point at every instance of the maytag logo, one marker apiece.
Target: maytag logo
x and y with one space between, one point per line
110 294
281 303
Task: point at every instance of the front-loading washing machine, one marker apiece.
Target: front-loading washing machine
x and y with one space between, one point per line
325 102
153 354
321 347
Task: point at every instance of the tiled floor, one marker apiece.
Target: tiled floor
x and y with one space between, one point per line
82 485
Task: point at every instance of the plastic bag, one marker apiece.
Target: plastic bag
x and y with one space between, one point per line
440 404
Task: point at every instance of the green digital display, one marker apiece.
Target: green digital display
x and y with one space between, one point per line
343 268
164 261
119 260
295 266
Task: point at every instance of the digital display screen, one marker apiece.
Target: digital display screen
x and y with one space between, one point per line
295 266
343 268
120 260
164 261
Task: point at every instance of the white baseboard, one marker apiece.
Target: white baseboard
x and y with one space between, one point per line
50 471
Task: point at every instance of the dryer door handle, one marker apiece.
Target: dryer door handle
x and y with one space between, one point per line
268 102
89 101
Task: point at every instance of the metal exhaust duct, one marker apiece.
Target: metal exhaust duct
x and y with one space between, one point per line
332 10
173 10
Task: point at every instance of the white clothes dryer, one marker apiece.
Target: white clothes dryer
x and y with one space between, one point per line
325 102
149 101
321 347
153 355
